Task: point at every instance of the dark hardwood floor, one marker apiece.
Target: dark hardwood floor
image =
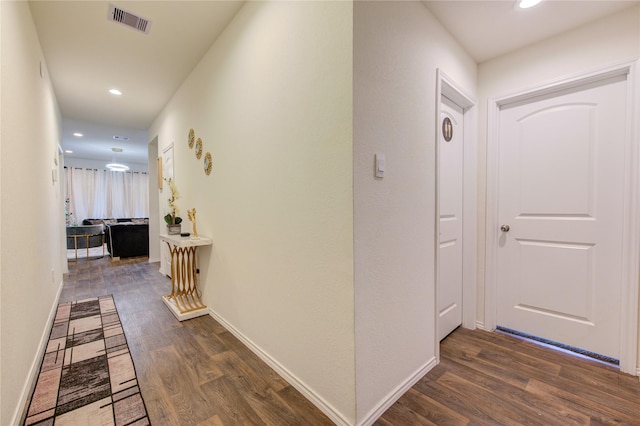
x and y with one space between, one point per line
192 372
196 373
497 379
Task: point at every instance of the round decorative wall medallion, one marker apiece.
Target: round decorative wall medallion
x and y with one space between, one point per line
208 163
198 148
192 136
447 129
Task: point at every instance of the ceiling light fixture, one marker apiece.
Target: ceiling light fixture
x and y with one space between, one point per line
115 92
78 135
526 4
115 167
68 151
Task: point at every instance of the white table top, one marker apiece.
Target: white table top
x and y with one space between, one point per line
179 241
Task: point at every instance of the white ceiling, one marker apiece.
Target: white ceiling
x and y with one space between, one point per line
86 55
488 29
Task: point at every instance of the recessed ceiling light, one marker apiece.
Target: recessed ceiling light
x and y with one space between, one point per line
525 4
115 92
116 149
68 151
78 135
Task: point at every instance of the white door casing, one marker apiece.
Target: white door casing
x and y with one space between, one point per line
450 193
167 173
447 87
560 165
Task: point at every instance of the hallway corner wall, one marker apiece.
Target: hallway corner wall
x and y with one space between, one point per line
398 47
271 101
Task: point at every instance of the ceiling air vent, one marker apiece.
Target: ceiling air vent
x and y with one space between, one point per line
128 19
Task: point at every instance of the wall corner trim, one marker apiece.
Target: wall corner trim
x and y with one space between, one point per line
394 395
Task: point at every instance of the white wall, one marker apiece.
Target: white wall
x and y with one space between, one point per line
609 41
31 207
398 47
272 102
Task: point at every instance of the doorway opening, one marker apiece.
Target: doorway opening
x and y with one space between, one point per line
456 167
543 247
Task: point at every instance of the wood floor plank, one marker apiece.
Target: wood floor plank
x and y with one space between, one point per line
502 409
431 410
241 374
255 363
303 408
154 394
543 352
178 364
591 395
531 404
212 421
462 344
462 405
599 413
197 361
205 333
597 380
499 371
184 394
405 416
197 373
500 355
565 358
230 403
271 409
498 379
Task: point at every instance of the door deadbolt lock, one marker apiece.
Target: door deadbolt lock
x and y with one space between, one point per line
505 228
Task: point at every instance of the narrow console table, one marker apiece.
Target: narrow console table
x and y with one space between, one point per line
185 300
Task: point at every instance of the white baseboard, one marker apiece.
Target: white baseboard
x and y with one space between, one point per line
395 395
30 383
308 393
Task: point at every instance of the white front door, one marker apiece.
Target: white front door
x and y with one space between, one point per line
560 207
451 155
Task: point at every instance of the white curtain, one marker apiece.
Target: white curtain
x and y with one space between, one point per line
102 194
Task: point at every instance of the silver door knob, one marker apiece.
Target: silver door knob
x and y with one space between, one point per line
505 228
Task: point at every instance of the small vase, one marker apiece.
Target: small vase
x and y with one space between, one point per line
174 229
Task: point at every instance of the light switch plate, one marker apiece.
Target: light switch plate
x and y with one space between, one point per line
380 165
